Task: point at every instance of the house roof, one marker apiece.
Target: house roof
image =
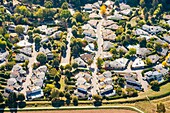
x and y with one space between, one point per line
93 23
106 55
154 58
124 6
126 12
87 56
167 39
138 63
80 62
110 37
89 47
107 45
94 15
88 6
24 43
143 51
107 23
21 57
118 63
107 74
113 27
89 32
140 32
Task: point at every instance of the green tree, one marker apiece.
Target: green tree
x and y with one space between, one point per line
78 16
54 93
97 97
74 65
64 5
55 63
155 85
65 14
21 97
75 101
67 95
1 98
99 62
132 51
148 61
42 58
48 4
19 29
12 100
3 44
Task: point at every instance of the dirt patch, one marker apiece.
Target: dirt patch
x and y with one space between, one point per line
83 111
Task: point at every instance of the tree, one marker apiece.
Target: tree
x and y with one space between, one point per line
117 3
68 67
132 51
54 93
148 61
21 97
42 58
64 5
97 97
61 94
133 2
131 92
75 101
103 9
57 78
3 45
99 62
78 16
74 65
19 29
55 63
48 4
155 85
161 108
1 98
142 42
67 95
142 3
52 72
12 100
65 14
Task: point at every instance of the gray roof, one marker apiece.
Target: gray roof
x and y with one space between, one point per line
154 58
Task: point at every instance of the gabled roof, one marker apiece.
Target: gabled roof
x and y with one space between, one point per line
138 63
154 58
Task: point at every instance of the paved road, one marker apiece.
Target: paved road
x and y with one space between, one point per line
97 55
32 60
66 59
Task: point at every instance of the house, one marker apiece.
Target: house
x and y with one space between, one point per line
87 26
106 55
163 51
26 50
108 91
110 37
122 48
115 17
25 28
142 52
107 23
96 5
120 63
152 29
167 39
93 23
89 32
133 83
168 22
47 52
11 82
3 56
153 75
107 45
94 16
107 32
90 48
162 69
34 92
80 62
24 43
139 32
107 74
89 39
154 58
126 12
124 6
21 57
109 4
87 57
112 27
44 40
88 8
11 28
138 63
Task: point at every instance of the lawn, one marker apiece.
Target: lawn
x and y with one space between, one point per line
163 90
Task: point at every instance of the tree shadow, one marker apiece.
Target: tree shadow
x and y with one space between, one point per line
22 104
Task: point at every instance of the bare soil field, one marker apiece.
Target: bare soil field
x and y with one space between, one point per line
82 111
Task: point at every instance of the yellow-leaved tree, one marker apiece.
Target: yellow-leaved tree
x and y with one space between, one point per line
103 9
